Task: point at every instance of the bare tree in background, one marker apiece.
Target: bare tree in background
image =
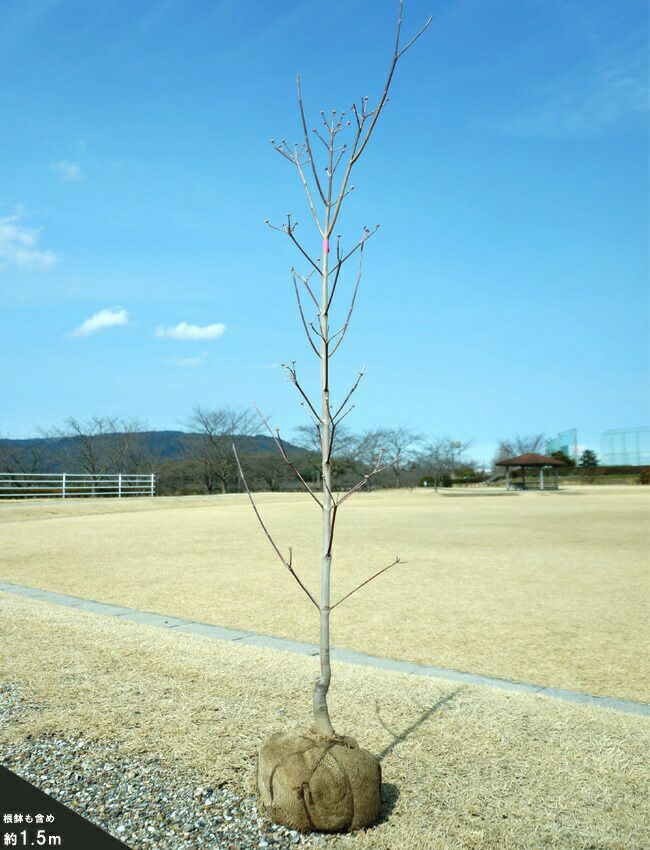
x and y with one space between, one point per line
217 430
271 471
362 451
308 438
23 457
401 444
102 444
327 183
520 445
441 457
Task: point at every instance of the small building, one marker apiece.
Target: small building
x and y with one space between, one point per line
532 460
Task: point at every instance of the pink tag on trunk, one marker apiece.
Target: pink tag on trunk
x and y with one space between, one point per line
326 247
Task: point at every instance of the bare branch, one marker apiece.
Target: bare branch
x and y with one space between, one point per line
316 421
316 133
367 581
367 478
366 234
306 188
415 37
302 316
290 369
346 177
343 415
331 495
280 229
287 564
341 153
354 298
306 135
290 229
282 150
318 333
331 537
329 454
330 170
396 56
278 442
339 265
305 281
358 149
348 396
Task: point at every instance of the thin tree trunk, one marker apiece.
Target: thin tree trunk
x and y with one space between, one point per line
322 722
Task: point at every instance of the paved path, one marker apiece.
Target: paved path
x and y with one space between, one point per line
345 655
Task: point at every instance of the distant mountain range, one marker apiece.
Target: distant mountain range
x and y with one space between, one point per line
54 453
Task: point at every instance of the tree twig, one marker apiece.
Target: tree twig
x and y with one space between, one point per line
343 415
305 282
367 478
278 442
349 315
306 188
357 149
287 564
291 371
364 583
396 56
290 230
302 316
336 269
306 135
349 395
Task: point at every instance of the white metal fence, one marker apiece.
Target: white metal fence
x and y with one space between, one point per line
74 485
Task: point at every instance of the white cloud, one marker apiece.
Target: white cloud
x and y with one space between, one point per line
602 95
190 361
69 171
185 331
104 319
18 246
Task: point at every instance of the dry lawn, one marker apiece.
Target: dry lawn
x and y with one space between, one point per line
547 588
464 767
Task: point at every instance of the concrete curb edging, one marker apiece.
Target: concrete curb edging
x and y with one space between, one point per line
345 656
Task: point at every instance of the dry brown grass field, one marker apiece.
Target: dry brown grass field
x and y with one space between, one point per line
470 767
550 588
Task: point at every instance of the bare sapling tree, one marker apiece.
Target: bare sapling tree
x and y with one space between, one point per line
327 183
216 430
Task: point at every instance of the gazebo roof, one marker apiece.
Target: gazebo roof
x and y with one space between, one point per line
531 459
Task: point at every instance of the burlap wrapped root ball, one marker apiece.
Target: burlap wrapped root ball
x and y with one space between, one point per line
316 784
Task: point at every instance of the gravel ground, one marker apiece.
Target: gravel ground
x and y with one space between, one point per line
139 801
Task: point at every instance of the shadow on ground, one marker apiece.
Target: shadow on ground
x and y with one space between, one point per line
399 737
390 792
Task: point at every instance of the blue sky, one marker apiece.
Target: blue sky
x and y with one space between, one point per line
506 292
